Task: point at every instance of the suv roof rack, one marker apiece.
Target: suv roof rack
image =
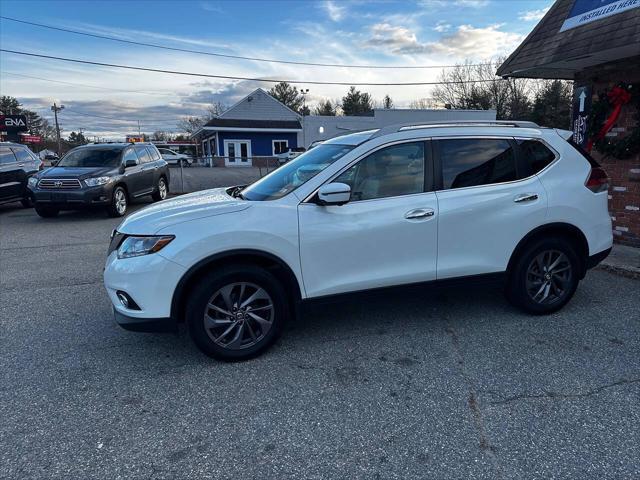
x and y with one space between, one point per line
398 127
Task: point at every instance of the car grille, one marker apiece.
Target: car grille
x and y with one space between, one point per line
59 183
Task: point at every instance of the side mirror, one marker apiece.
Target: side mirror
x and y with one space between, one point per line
130 163
54 162
334 194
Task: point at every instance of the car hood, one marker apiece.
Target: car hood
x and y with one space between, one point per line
180 209
75 172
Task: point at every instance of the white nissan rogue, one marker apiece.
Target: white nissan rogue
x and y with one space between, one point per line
401 205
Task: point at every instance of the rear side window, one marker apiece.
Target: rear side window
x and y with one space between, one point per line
535 154
143 154
6 155
154 153
22 155
469 162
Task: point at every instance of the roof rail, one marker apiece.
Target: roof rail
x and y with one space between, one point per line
453 123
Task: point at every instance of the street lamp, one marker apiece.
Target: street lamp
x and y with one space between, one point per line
304 92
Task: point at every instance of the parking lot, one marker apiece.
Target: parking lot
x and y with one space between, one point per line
444 384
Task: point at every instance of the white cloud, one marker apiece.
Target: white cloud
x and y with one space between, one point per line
533 15
457 3
335 12
466 42
442 27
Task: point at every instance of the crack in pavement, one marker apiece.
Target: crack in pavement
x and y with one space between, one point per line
484 443
561 396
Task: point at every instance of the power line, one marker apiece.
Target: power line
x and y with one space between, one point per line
89 86
223 55
227 77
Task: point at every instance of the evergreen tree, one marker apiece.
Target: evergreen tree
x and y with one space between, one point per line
326 108
357 103
288 95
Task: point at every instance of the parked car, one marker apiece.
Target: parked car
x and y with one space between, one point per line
105 175
382 208
290 154
17 165
175 158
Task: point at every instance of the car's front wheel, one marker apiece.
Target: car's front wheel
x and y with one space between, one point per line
119 203
545 276
236 312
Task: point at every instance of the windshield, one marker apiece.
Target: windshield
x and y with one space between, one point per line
293 174
91 157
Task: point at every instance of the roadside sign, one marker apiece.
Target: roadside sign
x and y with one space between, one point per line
581 110
13 123
31 138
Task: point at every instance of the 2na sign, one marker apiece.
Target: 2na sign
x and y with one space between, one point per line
13 123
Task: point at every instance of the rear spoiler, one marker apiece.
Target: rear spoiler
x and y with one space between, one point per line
566 134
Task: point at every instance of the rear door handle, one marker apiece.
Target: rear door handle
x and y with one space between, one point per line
419 213
526 197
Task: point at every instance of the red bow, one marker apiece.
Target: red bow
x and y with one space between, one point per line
618 96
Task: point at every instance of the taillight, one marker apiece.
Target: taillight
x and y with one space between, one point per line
597 181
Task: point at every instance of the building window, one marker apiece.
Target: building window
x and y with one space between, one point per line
280 146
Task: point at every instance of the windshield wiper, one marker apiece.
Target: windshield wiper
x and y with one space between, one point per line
237 192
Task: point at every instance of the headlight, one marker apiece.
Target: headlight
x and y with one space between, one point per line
95 181
32 182
138 246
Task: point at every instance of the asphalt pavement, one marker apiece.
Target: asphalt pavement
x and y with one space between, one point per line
441 384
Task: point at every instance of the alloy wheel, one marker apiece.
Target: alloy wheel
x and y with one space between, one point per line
120 201
549 277
238 315
162 189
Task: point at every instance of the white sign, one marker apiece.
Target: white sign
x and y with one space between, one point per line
587 11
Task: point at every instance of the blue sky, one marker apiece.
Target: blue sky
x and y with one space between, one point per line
419 32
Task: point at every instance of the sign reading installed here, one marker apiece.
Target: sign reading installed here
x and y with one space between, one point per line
587 11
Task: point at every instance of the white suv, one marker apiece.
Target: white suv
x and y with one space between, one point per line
396 206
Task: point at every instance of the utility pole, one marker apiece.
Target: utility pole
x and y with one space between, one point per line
304 92
138 127
55 109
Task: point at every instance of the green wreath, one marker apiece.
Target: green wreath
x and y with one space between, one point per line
625 147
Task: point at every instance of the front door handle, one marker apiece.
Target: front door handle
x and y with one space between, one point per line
419 213
526 197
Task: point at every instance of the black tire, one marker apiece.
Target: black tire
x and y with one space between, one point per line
158 194
116 208
211 285
523 289
46 212
27 202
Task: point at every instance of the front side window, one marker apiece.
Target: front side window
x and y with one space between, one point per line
290 176
389 172
536 155
129 154
280 146
469 162
91 157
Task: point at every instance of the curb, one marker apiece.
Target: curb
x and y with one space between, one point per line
628 272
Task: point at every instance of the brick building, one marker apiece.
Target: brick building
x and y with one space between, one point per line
595 43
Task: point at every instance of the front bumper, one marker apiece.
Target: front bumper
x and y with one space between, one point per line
86 196
136 324
150 281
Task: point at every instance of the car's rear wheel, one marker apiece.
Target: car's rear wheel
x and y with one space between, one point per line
119 203
237 312
161 190
545 276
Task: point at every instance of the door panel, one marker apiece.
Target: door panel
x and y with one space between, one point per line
480 225
133 175
147 172
368 244
10 185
